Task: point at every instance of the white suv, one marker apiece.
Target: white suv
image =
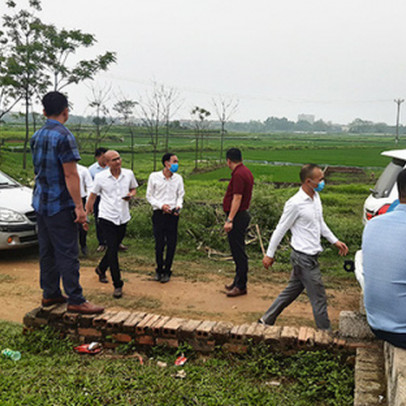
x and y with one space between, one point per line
17 217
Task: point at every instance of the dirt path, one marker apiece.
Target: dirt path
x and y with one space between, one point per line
20 293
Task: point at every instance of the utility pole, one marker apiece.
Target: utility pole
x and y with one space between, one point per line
398 102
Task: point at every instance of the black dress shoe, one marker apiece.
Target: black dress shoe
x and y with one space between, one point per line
101 274
122 247
236 292
165 278
157 277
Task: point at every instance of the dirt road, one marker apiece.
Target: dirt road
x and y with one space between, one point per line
20 293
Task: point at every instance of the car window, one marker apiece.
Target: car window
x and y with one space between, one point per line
388 178
7 182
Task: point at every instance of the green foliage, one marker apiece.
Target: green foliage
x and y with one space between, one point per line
51 373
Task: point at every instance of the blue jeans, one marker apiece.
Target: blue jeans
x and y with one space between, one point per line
58 251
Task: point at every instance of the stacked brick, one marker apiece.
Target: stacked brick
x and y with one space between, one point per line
146 329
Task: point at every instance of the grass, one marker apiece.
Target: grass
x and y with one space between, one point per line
50 373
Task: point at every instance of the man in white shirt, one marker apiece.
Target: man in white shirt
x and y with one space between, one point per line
165 193
86 184
303 215
116 186
99 166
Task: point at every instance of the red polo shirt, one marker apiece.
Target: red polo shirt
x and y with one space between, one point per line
241 183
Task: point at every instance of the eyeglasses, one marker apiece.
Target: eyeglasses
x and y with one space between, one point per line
116 159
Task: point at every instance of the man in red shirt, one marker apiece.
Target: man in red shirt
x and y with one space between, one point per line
235 204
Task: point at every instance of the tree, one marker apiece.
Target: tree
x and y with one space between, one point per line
224 110
102 118
125 108
60 45
200 116
25 59
152 111
170 105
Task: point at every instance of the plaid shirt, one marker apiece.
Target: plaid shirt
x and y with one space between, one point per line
52 146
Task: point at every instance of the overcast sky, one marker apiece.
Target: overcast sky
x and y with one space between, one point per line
338 60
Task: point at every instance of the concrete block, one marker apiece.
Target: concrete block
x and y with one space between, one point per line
29 318
204 329
202 345
255 332
187 330
114 323
158 326
272 335
144 324
221 331
237 333
172 327
289 336
306 336
57 312
354 325
322 338
86 320
101 320
132 321
70 318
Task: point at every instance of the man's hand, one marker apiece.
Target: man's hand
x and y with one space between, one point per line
166 209
176 211
128 197
228 226
267 261
81 217
342 248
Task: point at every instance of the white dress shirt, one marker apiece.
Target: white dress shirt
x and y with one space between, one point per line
86 181
111 190
304 217
162 190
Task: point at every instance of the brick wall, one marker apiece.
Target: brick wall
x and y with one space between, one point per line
146 329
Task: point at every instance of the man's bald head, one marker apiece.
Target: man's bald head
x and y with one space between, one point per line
113 159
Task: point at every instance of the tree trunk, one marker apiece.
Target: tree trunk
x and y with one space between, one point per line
27 131
132 149
221 141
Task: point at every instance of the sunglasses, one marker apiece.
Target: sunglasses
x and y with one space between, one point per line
116 159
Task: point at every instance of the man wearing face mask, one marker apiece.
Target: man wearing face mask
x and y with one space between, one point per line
165 194
303 215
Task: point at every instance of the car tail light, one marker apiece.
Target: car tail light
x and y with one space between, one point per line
382 210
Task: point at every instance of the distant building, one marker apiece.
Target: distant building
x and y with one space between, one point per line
306 117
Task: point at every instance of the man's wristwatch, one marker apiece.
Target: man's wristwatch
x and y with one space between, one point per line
229 220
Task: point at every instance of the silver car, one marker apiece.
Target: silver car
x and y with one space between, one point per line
17 218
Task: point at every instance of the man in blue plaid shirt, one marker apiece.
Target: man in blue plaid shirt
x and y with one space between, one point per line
59 208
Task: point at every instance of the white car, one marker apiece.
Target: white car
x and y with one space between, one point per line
385 191
18 225
381 198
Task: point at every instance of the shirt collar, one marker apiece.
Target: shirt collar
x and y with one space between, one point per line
240 165
111 175
304 195
50 120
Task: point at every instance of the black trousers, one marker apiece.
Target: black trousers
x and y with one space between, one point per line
99 231
81 231
236 239
113 235
166 234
